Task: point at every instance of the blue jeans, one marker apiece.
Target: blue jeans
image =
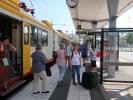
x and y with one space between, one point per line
75 69
62 70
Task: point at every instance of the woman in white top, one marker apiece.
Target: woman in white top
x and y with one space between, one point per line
93 57
75 61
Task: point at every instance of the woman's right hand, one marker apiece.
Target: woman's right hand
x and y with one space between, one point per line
14 49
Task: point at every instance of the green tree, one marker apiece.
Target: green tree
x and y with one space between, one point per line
129 38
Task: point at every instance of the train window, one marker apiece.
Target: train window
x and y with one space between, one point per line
26 35
44 39
34 36
59 40
39 35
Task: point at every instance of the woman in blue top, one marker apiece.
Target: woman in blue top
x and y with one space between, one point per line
39 61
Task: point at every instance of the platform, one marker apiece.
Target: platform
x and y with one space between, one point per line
68 90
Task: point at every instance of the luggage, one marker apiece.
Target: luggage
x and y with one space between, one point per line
89 80
87 65
48 71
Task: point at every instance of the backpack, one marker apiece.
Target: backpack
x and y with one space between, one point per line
78 52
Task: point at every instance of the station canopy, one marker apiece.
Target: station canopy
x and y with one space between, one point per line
88 11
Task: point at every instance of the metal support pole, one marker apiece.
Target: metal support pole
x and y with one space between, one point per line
101 57
112 10
112 36
94 28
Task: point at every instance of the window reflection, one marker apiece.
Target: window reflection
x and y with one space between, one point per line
44 39
26 36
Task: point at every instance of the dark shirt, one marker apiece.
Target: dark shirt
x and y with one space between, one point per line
39 61
84 50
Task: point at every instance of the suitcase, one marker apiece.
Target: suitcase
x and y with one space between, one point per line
87 66
89 80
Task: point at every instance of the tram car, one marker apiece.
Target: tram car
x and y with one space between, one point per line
24 32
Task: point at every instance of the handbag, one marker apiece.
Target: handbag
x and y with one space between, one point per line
48 71
5 61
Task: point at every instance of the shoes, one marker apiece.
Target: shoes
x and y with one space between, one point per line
36 92
79 83
46 92
59 83
74 83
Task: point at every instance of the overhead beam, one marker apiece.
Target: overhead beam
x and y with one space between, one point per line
91 21
89 30
84 29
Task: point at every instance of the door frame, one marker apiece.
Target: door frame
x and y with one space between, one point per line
26 49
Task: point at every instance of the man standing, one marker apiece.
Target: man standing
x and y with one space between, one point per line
84 50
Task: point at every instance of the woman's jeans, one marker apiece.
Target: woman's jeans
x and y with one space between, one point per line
76 69
62 70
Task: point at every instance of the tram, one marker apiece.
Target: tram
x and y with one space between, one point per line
25 31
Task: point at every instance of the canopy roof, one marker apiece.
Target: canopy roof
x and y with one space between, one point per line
89 11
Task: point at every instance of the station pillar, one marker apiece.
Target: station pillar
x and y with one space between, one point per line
94 28
112 37
112 10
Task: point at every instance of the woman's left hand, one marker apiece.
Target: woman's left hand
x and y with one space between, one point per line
14 49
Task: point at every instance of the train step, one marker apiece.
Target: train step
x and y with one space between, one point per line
12 87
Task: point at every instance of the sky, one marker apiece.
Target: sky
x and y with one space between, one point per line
56 11
126 19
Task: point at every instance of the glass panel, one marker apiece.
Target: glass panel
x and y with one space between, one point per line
39 36
26 35
110 53
34 38
126 46
59 40
44 38
118 49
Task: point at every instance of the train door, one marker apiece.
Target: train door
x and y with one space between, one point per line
26 48
10 28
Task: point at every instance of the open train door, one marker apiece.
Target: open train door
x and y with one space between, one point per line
26 48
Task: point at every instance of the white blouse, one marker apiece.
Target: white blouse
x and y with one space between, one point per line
93 55
75 59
